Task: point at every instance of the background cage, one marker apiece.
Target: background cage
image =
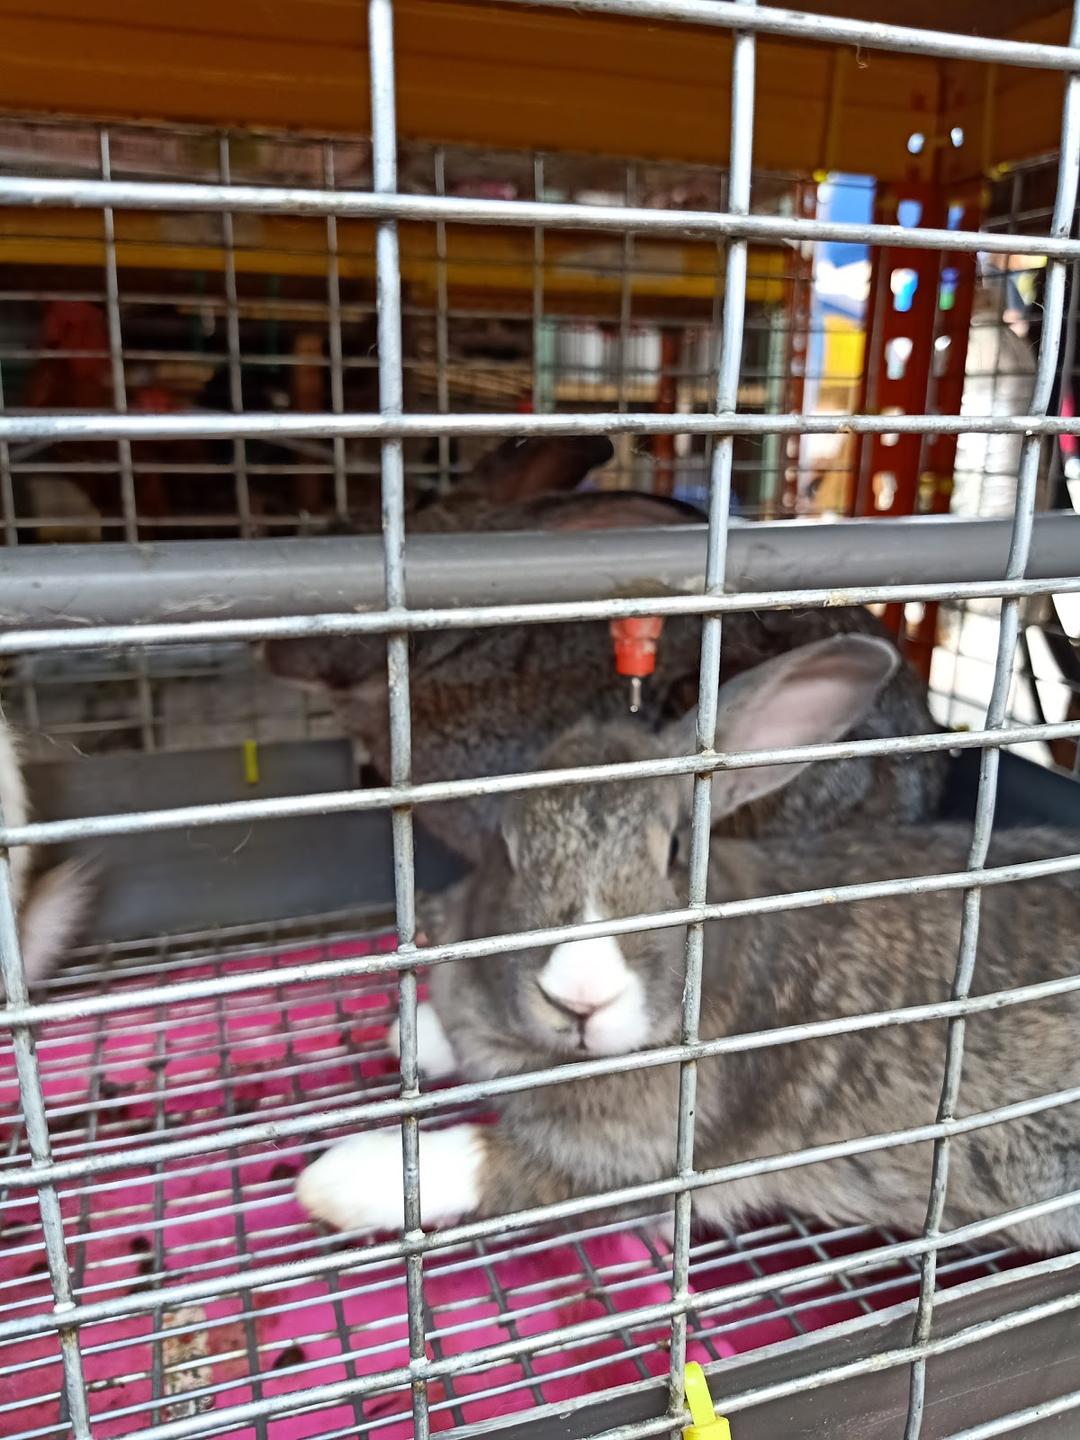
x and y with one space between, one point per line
165 1130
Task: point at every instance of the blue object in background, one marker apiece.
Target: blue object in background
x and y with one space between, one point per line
697 493
847 199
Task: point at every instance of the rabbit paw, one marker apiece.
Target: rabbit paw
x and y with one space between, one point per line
357 1184
434 1056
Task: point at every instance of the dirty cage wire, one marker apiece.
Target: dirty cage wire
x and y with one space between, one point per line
45 1175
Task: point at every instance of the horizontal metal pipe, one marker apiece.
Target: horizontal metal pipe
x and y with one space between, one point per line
869 35
270 425
219 588
26 640
386 797
184 196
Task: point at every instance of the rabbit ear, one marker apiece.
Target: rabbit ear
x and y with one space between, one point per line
519 469
811 695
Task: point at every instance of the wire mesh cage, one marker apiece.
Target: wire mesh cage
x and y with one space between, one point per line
253 379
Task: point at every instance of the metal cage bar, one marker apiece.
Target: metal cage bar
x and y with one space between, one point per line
412 1106
333 297
116 349
388 281
329 802
379 427
232 326
128 498
544 578
297 1124
225 1418
1020 1419
876 35
442 324
35 1120
1019 550
550 215
7 485
727 389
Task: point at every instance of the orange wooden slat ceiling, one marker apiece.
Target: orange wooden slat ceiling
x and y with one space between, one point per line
491 75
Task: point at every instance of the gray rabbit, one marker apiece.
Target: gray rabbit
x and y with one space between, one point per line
489 702
603 851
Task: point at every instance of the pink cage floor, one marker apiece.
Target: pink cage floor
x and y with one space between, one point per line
192 1068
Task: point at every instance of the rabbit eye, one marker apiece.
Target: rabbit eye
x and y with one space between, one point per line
673 853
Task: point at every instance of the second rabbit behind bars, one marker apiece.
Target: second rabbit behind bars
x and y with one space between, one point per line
603 851
490 701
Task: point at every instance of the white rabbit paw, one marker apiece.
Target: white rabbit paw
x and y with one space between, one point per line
434 1056
357 1184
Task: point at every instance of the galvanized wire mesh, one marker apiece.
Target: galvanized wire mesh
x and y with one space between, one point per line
102 1165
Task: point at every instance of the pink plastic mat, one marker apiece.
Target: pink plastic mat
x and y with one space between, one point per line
197 1067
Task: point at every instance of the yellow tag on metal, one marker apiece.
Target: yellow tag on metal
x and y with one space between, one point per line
707 1424
251 762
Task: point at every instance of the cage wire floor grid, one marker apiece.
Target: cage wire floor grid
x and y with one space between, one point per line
186 1069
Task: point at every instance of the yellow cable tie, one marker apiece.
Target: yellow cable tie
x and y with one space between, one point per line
251 762
707 1425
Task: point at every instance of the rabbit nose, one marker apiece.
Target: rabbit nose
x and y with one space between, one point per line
575 1007
582 976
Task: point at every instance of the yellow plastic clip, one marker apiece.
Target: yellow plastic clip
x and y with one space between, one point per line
251 761
707 1424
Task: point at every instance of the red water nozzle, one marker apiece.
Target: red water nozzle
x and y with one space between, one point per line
635 645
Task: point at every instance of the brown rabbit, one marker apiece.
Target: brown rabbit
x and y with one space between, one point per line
602 851
488 702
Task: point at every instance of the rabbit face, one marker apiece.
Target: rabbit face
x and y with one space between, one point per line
610 995
604 851
587 857
588 854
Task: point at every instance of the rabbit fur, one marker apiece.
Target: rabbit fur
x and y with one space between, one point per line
606 850
489 702
50 906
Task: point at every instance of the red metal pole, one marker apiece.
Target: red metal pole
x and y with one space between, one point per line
955 300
